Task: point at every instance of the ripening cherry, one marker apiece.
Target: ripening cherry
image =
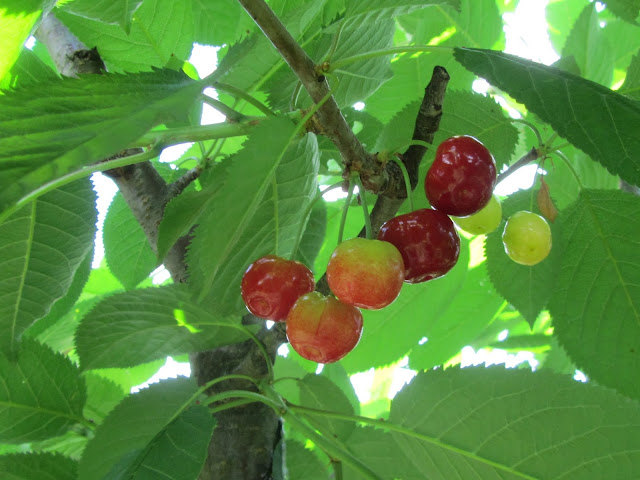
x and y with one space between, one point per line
365 273
462 177
482 222
427 240
271 285
527 238
323 329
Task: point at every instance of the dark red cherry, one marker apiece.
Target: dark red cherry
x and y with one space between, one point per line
427 240
461 179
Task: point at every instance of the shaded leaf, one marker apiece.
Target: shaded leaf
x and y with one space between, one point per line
593 118
126 248
41 394
56 127
43 466
628 10
631 85
135 327
131 443
303 463
368 11
596 303
41 247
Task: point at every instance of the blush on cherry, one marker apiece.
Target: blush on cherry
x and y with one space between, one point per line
271 285
323 329
427 240
461 179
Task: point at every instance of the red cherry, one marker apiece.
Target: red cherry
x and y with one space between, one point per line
461 179
323 329
365 273
427 240
271 285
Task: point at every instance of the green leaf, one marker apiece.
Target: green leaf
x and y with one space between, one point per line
593 118
561 15
303 463
314 234
392 332
338 375
631 85
466 114
41 247
476 23
562 182
368 11
43 466
132 444
42 143
596 303
184 211
27 70
127 378
588 46
41 394
17 20
319 392
628 10
268 187
231 22
474 308
118 12
161 32
496 423
134 327
126 248
102 396
63 305
527 288
71 444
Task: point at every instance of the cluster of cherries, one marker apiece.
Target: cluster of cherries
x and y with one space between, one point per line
412 248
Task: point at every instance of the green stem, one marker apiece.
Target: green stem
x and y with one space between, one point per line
230 405
365 208
236 92
422 143
532 127
410 433
564 158
225 110
318 196
196 133
243 394
407 181
343 62
78 174
345 209
334 42
327 445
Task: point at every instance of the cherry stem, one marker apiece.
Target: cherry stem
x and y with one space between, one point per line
343 62
303 222
422 143
531 126
238 93
345 209
407 181
228 112
565 159
365 208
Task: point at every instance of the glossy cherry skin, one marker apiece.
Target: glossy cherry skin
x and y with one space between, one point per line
365 273
462 177
323 329
271 285
427 240
527 238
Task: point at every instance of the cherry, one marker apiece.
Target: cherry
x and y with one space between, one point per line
365 273
271 285
323 329
527 238
483 222
462 177
427 240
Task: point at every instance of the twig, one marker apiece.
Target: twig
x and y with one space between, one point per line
334 125
529 157
174 189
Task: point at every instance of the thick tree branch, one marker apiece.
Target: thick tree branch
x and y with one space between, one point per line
245 437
